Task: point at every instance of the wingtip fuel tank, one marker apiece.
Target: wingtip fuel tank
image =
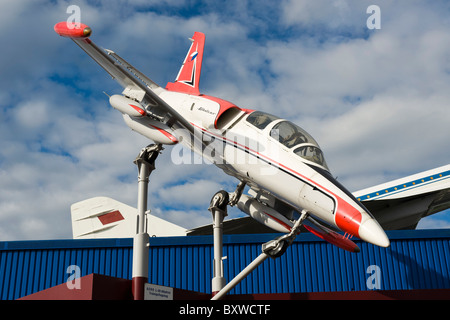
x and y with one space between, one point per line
72 30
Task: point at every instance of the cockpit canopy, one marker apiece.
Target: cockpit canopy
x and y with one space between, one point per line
291 136
260 119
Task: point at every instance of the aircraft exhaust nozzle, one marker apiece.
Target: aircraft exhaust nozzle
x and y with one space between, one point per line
264 214
127 106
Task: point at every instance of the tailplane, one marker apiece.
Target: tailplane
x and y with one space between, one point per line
188 77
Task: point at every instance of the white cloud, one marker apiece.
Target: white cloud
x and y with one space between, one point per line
189 194
336 14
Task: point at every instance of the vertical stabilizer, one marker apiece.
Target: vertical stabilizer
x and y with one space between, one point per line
103 217
188 77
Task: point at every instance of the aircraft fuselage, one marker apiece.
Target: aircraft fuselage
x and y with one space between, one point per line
258 156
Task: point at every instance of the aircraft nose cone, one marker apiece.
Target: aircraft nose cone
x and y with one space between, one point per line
370 231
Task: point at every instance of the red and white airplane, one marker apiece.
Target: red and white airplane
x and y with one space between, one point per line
280 162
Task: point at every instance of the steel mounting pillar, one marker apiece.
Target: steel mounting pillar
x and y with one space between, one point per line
218 208
273 249
145 162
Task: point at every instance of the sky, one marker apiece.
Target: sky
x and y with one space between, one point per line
376 100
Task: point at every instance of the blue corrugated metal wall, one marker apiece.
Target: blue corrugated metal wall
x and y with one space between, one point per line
415 260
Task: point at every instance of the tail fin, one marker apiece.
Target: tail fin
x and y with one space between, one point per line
102 217
188 77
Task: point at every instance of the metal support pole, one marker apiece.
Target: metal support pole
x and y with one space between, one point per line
273 249
218 209
145 162
252 266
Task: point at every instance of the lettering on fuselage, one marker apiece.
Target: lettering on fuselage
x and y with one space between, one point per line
206 110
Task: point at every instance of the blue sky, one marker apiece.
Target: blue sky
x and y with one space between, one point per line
376 100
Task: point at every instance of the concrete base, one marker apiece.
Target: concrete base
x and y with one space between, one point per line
100 287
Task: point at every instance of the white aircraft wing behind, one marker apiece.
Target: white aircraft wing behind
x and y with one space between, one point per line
401 203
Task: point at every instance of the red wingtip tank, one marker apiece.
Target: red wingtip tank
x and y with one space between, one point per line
72 30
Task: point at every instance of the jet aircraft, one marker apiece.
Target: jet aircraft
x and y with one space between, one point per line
282 164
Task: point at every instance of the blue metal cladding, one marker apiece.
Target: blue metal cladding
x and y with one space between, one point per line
31 266
418 259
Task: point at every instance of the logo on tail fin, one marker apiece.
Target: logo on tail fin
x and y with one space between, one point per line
194 55
188 78
183 74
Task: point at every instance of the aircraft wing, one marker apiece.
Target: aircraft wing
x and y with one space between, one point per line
135 84
401 203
